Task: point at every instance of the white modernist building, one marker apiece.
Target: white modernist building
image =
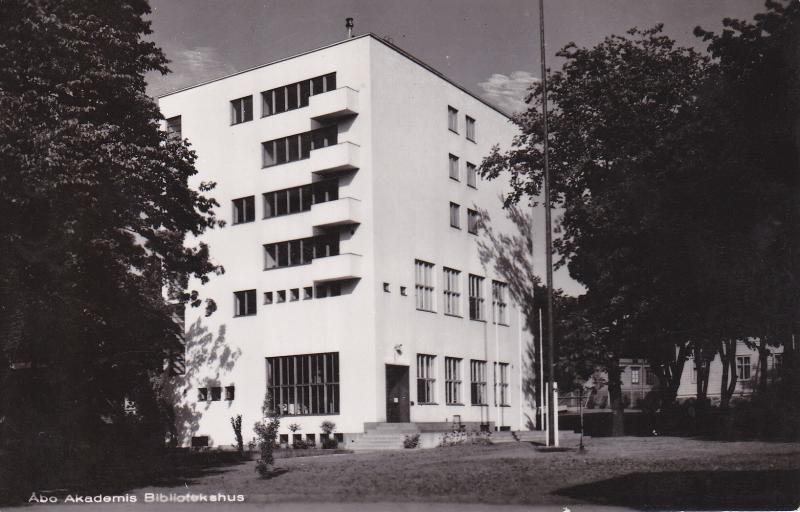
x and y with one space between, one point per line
353 288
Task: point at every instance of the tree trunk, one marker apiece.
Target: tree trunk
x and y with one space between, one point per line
702 363
668 367
727 355
763 354
615 397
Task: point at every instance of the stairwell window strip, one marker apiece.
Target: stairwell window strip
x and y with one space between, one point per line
476 298
452 377
296 95
423 279
301 385
477 377
242 110
499 302
426 379
501 384
452 291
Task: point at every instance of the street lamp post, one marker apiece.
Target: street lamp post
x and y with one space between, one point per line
551 407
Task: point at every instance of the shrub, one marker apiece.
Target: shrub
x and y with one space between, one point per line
236 423
300 444
457 438
411 441
267 432
329 443
294 427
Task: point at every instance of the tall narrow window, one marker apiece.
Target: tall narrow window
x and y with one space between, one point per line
455 216
649 377
454 167
470 129
452 292
423 279
452 377
472 175
244 303
743 367
477 377
499 304
452 119
230 393
244 209
242 110
472 221
501 383
174 127
303 384
426 379
635 375
476 298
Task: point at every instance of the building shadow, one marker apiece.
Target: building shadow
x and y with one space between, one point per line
695 490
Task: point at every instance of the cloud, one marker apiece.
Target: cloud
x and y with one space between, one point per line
189 66
508 92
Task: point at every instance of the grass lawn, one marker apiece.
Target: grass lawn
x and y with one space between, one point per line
640 472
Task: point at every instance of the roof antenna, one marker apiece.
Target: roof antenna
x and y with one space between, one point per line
348 23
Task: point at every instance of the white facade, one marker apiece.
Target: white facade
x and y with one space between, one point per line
391 164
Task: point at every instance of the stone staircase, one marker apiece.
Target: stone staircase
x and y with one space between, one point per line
383 436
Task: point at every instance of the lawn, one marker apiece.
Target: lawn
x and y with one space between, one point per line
640 472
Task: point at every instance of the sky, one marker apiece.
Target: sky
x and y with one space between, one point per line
490 47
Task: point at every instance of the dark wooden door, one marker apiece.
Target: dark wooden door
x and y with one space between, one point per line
398 408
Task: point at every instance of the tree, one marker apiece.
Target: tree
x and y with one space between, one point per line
620 122
95 209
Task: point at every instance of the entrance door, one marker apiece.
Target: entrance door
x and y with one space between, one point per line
397 403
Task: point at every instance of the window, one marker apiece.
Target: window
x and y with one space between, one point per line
743 367
777 361
267 297
452 294
174 127
202 394
230 393
452 380
216 394
300 252
403 291
294 294
281 296
244 303
499 304
501 383
293 96
333 289
303 384
455 216
470 129
308 293
476 298
426 379
242 110
299 199
244 210
454 167
297 147
452 119
472 175
635 375
472 221
477 377
423 277
649 377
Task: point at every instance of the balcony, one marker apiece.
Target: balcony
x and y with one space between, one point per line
336 213
334 268
335 104
335 158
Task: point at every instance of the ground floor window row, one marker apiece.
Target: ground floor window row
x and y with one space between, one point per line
310 439
306 384
453 381
214 393
244 301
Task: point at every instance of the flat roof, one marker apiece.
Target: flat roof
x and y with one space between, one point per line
369 34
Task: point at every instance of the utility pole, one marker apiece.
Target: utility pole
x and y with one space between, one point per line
552 406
